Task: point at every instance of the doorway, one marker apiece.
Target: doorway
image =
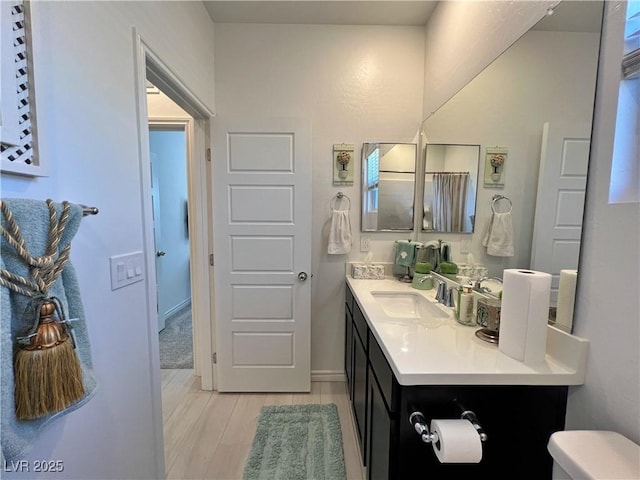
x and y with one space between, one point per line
152 70
150 67
169 191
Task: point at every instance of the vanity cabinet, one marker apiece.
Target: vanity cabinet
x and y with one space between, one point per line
356 348
518 419
381 428
348 344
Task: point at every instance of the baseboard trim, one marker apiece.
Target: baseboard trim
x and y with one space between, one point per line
179 306
327 376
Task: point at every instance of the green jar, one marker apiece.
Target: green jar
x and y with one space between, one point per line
422 267
420 284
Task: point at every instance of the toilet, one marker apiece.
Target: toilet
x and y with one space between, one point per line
593 454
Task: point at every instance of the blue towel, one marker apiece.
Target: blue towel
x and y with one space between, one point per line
445 252
32 217
405 253
432 254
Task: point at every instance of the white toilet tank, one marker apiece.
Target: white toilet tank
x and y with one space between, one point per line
594 455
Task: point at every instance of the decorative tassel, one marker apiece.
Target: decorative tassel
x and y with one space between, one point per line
48 375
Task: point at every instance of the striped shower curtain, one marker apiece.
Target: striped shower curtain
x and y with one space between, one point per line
449 201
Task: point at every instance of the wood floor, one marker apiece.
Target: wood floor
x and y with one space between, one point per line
208 435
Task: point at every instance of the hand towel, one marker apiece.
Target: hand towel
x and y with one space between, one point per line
33 218
339 233
499 236
405 253
445 252
432 254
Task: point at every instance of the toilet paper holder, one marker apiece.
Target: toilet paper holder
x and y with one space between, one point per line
419 422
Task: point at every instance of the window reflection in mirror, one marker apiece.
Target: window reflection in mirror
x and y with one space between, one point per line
388 185
450 186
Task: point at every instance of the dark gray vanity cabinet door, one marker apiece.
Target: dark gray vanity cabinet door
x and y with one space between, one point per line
355 365
359 399
348 352
379 434
348 340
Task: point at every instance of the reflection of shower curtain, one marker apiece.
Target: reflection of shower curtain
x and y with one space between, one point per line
449 201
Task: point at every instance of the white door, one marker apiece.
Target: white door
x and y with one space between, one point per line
157 231
560 202
262 249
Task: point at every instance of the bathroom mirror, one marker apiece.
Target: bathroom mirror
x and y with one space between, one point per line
388 185
536 100
450 186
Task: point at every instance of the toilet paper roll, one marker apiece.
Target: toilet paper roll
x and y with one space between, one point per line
566 299
458 441
524 315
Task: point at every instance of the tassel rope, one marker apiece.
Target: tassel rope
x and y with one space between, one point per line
48 375
44 270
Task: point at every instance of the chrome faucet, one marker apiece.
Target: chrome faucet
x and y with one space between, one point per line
442 290
478 284
445 295
449 298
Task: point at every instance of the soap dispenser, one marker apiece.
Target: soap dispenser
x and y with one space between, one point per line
464 312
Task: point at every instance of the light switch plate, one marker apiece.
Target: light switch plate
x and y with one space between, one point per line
126 269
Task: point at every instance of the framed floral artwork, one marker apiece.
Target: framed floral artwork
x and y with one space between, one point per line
494 165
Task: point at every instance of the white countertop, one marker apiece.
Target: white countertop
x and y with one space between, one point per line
443 352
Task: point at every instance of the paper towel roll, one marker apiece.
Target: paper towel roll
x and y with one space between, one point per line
458 441
524 315
566 299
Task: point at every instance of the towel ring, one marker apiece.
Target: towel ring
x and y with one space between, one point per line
497 198
339 196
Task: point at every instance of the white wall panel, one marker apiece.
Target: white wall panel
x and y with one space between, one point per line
276 152
87 128
264 204
262 302
262 349
259 254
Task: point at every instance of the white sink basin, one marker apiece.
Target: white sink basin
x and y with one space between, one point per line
408 305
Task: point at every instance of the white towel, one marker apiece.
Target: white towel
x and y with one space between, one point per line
499 236
340 233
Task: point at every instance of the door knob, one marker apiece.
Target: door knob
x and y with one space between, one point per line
160 253
302 276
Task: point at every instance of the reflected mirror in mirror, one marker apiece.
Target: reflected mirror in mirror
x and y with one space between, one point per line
388 185
450 186
536 100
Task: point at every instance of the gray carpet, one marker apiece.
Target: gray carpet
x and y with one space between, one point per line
297 442
176 340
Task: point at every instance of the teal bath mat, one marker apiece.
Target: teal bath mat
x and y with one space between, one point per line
297 442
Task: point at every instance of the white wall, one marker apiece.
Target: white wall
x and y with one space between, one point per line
506 105
87 126
607 303
160 106
463 37
357 84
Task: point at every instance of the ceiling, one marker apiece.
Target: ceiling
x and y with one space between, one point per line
322 12
580 17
